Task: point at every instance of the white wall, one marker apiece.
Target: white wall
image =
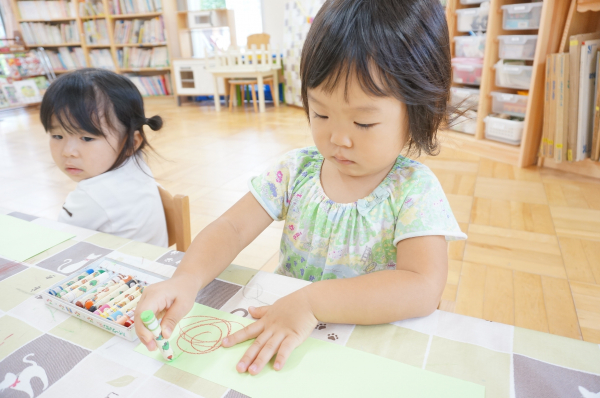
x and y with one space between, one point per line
272 16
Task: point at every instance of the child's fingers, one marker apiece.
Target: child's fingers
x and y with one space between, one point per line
285 350
266 353
146 336
172 317
252 352
258 312
247 333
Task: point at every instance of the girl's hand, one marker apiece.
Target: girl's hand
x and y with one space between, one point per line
280 328
170 300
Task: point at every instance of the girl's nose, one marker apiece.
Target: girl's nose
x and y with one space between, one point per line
70 149
340 138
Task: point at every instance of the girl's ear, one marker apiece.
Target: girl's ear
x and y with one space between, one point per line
137 140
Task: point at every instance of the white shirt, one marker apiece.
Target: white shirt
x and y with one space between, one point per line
124 202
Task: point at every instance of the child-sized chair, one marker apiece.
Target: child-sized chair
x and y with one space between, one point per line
243 83
177 213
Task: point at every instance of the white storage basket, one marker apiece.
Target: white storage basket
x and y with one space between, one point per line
503 130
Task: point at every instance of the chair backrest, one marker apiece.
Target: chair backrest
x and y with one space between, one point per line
244 59
258 39
177 214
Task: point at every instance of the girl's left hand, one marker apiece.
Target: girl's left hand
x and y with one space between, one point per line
280 328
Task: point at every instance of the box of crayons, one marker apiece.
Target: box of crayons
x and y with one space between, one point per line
104 294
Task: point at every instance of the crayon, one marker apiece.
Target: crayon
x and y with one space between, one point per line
124 318
96 308
81 290
127 301
152 325
100 289
106 289
123 309
79 283
64 286
128 323
110 301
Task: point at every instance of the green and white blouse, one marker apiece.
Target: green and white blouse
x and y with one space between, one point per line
323 239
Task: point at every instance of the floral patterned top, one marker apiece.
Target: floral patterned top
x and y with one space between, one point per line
323 239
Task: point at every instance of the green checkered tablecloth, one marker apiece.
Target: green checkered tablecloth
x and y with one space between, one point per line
39 343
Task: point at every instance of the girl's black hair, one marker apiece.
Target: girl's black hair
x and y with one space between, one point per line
401 44
82 99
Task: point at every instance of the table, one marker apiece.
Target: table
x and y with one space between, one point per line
38 341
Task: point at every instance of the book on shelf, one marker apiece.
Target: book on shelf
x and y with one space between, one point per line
91 8
10 93
546 121
40 33
140 31
45 10
595 150
575 45
119 7
102 59
150 86
562 106
95 31
67 59
552 115
133 57
587 83
21 65
28 91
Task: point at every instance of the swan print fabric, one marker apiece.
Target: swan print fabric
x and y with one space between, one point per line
327 240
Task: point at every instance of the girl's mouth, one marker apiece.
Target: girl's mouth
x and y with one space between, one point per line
73 170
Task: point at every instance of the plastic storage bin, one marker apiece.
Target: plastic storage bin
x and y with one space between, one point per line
471 1
507 131
472 19
510 104
467 70
517 46
469 46
466 124
513 76
466 97
522 16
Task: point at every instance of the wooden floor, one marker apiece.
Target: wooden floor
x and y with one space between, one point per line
533 254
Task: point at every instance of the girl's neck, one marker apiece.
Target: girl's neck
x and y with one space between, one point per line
344 188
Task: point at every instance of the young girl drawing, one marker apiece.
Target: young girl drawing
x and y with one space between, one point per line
366 225
95 120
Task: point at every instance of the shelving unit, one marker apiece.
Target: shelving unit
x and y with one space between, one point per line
549 36
185 40
111 45
583 16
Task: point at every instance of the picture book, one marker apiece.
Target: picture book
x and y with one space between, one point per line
587 82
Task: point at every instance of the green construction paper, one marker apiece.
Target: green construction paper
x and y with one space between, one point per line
20 240
315 369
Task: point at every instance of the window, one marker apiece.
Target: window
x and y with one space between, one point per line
248 18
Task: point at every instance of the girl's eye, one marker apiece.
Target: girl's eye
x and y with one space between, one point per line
87 139
365 126
57 137
316 115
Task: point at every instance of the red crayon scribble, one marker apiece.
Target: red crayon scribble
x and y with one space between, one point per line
203 334
6 338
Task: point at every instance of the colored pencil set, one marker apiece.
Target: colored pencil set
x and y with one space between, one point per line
108 294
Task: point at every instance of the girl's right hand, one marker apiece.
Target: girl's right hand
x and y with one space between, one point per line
170 300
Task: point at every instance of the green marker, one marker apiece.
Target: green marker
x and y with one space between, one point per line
152 325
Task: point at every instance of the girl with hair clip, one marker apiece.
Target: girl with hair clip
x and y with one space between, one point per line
94 119
365 224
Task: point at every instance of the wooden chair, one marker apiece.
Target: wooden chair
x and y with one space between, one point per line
258 39
241 63
243 83
177 213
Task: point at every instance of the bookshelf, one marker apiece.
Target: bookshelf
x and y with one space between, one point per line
114 49
549 33
582 16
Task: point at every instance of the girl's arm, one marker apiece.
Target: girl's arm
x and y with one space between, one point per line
412 290
209 254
